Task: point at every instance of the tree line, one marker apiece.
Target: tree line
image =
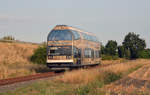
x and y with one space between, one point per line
8 38
132 47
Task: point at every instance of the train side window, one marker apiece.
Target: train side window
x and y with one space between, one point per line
87 53
76 35
100 54
97 54
92 53
79 53
89 37
75 51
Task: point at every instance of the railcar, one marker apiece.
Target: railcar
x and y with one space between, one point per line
69 47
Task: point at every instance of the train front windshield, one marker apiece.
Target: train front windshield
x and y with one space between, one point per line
60 35
60 44
60 51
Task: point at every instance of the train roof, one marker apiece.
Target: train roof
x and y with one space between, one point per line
85 35
63 27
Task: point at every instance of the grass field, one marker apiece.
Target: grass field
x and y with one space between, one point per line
136 83
96 81
15 60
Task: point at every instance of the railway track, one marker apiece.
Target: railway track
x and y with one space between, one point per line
26 78
36 76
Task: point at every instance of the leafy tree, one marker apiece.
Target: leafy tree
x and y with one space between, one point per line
134 44
111 48
127 54
39 56
121 51
102 49
144 53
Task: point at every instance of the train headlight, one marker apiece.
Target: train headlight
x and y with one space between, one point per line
50 57
68 57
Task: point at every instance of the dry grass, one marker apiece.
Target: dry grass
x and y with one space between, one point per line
79 76
114 61
15 70
135 83
89 75
125 66
15 60
102 76
15 52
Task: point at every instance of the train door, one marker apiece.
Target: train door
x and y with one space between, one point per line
92 56
77 55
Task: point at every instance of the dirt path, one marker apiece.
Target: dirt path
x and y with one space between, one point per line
136 82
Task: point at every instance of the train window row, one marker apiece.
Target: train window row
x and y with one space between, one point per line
76 35
89 53
97 54
89 37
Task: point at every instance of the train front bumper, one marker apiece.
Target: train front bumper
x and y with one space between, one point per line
60 63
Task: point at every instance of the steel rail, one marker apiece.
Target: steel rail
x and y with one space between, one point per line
26 78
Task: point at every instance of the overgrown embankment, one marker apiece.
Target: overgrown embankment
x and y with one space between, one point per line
11 53
15 59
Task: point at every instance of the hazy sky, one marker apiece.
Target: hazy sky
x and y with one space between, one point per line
31 20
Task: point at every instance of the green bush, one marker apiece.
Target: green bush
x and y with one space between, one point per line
133 43
111 48
108 57
144 54
83 90
111 77
39 56
90 87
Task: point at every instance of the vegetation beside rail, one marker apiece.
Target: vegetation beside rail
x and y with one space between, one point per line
15 60
81 82
39 56
132 47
